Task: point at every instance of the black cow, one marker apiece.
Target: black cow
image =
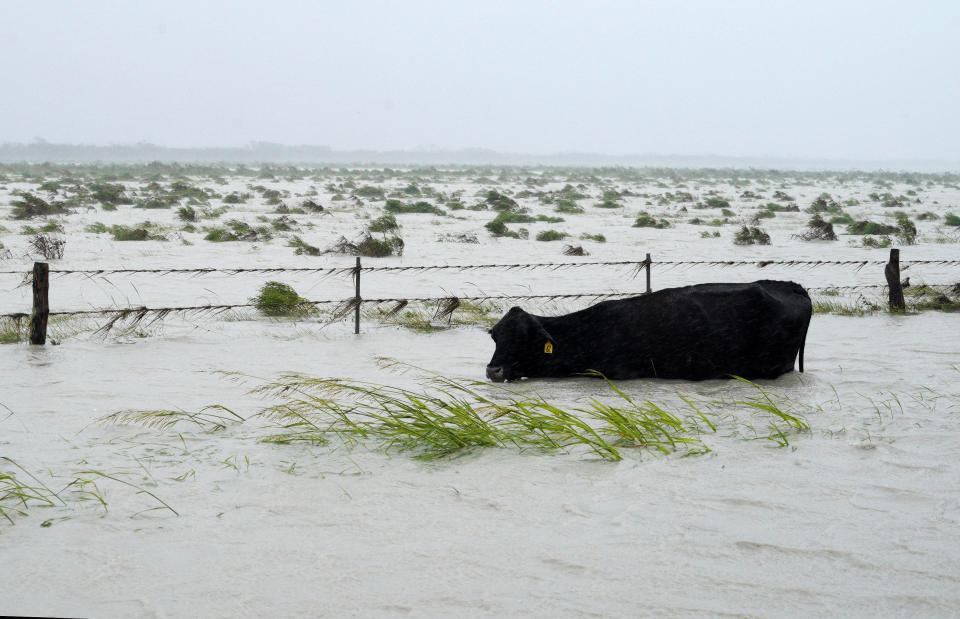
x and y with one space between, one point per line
695 332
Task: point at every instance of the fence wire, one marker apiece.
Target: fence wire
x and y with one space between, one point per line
342 307
349 270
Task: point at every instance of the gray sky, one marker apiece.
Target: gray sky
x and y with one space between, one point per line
864 79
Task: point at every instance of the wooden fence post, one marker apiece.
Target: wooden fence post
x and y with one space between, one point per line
41 303
892 273
356 310
648 275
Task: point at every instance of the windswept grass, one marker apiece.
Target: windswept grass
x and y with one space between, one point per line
748 235
551 235
208 419
444 417
646 220
21 491
301 247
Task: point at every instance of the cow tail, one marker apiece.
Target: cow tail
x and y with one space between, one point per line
801 351
803 343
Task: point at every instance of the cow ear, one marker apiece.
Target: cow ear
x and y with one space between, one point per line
548 342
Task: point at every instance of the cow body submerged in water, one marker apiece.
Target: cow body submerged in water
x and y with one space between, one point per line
696 332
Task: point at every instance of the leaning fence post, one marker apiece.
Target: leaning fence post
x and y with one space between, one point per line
356 310
41 303
892 273
648 274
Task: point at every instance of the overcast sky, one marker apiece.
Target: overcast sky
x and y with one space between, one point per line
863 79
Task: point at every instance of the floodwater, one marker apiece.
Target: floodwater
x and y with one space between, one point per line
859 517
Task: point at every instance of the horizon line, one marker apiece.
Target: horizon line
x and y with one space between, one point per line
12 152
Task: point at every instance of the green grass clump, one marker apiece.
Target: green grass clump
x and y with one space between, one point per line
923 297
59 328
219 235
841 219
500 202
284 224
840 308
370 246
154 202
28 206
109 194
696 221
279 299
187 213
237 230
235 198
773 207
716 202
870 227
748 235
646 220
597 238
514 217
818 229
373 247
570 207
12 331
369 191
213 213
551 235
125 233
97 228
951 220
50 226
384 223
876 242
301 247
398 207
142 232
906 230
498 226
416 321
825 204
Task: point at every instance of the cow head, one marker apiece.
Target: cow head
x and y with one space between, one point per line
523 346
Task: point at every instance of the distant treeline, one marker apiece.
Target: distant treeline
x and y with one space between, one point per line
267 152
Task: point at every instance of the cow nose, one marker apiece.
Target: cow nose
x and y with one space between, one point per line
495 373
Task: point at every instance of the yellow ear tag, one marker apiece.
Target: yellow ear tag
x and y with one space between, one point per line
548 348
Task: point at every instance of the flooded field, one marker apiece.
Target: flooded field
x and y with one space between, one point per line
834 491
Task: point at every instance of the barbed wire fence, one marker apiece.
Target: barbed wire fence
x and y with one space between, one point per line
39 278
